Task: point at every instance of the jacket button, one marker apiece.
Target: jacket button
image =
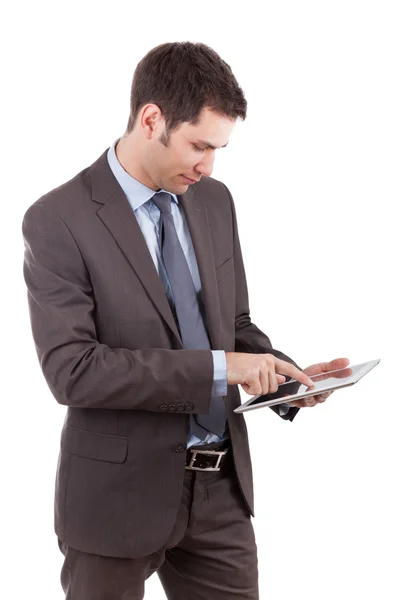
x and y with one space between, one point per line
180 407
189 406
180 447
172 407
163 407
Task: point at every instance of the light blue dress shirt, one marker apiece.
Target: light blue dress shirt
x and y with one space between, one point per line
148 216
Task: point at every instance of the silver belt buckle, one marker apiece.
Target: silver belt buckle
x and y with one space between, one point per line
213 452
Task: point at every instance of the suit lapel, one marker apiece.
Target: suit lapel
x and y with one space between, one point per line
196 215
118 217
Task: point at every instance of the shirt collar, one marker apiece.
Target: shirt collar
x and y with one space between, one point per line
136 192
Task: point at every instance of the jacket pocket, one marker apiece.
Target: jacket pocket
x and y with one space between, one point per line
97 446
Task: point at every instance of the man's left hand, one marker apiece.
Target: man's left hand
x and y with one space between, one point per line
318 369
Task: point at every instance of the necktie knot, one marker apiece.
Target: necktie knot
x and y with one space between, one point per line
163 202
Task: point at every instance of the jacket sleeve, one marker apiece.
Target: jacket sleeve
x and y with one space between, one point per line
79 370
248 337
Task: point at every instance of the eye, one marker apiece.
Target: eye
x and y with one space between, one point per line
198 149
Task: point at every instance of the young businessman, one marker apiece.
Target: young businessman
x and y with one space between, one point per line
140 315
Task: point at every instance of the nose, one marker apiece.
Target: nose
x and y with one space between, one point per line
205 167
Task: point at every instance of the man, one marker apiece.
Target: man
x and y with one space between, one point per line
140 316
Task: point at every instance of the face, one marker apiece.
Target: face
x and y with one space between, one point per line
189 152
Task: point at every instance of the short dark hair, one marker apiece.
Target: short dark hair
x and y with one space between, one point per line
182 78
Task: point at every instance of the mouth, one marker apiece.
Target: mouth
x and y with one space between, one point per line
190 180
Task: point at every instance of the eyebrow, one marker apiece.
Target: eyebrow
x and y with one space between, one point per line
210 145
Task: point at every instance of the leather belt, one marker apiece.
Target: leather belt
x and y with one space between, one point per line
207 460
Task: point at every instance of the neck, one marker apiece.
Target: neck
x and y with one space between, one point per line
129 159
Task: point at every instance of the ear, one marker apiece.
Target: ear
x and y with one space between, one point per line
151 120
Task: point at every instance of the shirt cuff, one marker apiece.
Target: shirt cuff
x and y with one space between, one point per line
220 384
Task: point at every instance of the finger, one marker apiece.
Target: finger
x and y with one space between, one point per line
296 404
299 403
273 384
246 387
343 373
336 363
252 386
310 401
323 397
264 381
286 368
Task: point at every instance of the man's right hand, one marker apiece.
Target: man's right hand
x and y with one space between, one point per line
261 373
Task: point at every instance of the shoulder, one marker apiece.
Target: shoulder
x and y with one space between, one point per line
214 193
70 196
211 185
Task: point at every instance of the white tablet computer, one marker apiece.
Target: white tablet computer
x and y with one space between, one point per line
294 390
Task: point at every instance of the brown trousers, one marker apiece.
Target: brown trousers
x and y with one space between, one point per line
211 553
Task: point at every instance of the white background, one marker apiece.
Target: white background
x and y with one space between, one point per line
314 172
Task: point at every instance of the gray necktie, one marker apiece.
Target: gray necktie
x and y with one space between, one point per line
190 321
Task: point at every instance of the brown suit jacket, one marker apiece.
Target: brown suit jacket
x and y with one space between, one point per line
110 351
